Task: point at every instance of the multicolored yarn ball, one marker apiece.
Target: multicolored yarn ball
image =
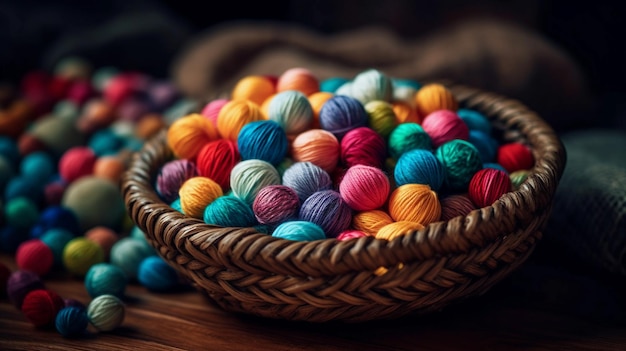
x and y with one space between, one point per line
306 178
327 209
419 166
292 111
39 166
56 239
299 231
414 203
128 253
485 144
156 275
397 229
106 312
461 160
317 146
405 113
212 109
330 85
518 178
253 88
475 120
456 205
275 204
370 222
340 114
172 175
76 162
188 134
80 254
317 101
35 256
20 283
381 117
487 186
300 79
515 156
21 213
364 188
263 140
363 146
71 321
350 234
236 114
248 177
371 85
229 211
88 196
443 126
105 278
216 160
432 97
408 136
197 193
41 306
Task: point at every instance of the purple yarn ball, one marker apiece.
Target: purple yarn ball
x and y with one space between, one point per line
306 178
173 174
327 209
340 114
20 283
275 204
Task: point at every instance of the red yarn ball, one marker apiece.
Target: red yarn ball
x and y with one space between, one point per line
76 162
35 256
515 156
350 234
364 188
363 146
488 185
41 307
216 160
443 126
456 205
120 88
275 203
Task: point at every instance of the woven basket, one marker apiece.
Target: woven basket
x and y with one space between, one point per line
248 272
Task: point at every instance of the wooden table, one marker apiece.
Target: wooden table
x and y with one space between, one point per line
498 320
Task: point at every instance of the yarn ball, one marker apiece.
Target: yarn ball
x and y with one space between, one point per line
405 113
80 254
381 117
21 213
275 204
236 114
95 202
292 111
212 109
71 321
456 205
105 142
363 146
419 166
248 177
55 217
196 193
370 222
53 193
103 236
495 166
39 166
331 84
21 186
408 136
317 101
229 211
188 134
106 312
20 283
56 239
317 146
340 114
327 209
105 278
443 126
263 140
175 205
299 231
475 120
364 188
461 160
216 160
35 256
29 144
156 275
57 133
76 162
41 306
253 88
371 85
487 186
306 178
414 203
172 175
406 83
128 253
96 114
433 97
515 156
485 144
109 167
300 79
265 106
350 234
396 229
518 178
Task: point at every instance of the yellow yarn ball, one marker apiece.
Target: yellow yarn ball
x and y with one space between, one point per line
395 229
80 254
370 222
414 203
236 114
405 113
433 97
196 194
254 88
317 101
188 134
381 117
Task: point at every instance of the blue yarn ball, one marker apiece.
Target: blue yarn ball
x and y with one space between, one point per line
371 85
419 166
21 186
410 83
495 165
132 144
486 145
292 110
306 178
58 217
6 172
229 211
328 210
38 166
156 275
71 321
475 120
128 253
105 142
105 278
263 140
299 231
340 114
11 238
56 239
9 149
331 85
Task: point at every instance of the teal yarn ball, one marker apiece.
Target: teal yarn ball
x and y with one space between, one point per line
330 85
250 176
371 85
105 142
475 120
461 160
21 213
138 234
156 275
6 172
71 321
263 140
39 166
229 211
105 278
106 312
408 136
176 205
495 165
292 111
486 145
127 254
419 167
299 231
21 186
403 82
9 150
56 239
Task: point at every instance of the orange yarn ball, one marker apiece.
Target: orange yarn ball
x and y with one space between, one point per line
414 203
317 101
109 167
317 146
265 106
433 97
149 125
236 114
97 114
103 236
405 113
370 222
196 194
300 79
188 134
254 88
396 229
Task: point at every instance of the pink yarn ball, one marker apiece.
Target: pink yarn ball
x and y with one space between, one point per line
76 162
364 188
443 126
350 234
212 109
275 203
363 146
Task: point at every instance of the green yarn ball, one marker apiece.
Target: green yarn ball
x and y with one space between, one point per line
106 312
406 137
128 253
80 254
229 211
105 278
21 213
381 117
461 160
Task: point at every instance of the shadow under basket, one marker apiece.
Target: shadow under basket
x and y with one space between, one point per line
244 271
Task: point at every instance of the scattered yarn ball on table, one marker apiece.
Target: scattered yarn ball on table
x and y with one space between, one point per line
106 312
157 275
41 307
71 321
105 278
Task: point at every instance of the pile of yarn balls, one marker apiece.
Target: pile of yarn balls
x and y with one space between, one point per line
306 159
66 137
